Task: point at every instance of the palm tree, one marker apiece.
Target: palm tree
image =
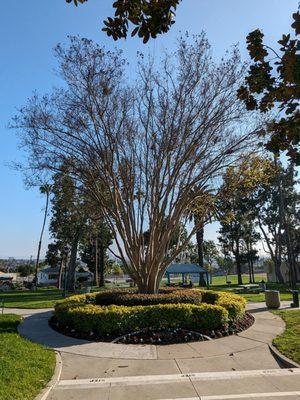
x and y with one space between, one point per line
46 190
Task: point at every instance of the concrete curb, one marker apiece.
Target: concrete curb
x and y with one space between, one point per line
54 380
281 359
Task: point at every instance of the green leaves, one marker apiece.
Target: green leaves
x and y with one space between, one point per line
150 18
296 23
76 1
255 45
275 82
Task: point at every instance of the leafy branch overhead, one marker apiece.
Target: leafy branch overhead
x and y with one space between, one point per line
149 17
274 81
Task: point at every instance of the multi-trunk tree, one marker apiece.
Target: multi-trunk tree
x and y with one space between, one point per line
144 150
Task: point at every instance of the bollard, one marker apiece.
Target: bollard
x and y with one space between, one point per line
272 298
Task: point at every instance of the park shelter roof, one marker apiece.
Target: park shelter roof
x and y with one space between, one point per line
180 268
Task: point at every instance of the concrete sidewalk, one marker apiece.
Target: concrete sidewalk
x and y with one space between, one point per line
234 367
266 327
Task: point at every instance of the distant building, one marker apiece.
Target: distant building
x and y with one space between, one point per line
48 276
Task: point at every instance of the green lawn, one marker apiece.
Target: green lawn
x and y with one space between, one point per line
219 283
46 298
25 367
289 342
221 280
42 298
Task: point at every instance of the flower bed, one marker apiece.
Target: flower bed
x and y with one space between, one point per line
82 316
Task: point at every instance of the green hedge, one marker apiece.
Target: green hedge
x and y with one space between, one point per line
166 296
83 314
233 303
118 320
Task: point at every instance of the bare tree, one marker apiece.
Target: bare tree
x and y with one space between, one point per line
144 150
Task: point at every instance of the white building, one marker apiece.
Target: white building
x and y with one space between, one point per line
48 276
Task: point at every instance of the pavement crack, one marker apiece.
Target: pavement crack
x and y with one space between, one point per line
192 383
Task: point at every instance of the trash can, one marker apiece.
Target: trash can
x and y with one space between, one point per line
88 289
272 298
295 303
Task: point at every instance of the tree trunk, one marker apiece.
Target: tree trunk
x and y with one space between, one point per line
252 270
150 285
249 271
61 267
238 262
96 263
41 238
281 225
276 254
101 255
279 276
199 239
72 264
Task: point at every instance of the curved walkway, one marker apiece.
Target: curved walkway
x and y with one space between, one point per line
235 367
266 327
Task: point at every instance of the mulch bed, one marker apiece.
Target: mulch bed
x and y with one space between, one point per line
159 336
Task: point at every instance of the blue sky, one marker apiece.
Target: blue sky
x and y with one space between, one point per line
28 32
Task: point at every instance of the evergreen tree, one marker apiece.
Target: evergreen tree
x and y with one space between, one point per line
278 204
94 248
68 221
238 210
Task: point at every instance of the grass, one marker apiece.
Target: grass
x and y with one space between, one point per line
46 298
41 298
289 342
25 367
219 283
221 280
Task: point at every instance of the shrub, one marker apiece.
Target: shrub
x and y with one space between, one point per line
112 321
114 313
234 304
166 296
209 296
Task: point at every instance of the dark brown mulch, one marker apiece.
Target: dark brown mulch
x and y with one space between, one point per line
159 336
162 336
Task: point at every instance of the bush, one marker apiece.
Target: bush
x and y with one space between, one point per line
112 321
106 316
209 296
234 304
131 298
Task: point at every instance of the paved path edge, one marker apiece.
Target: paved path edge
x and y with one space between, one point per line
281 359
54 380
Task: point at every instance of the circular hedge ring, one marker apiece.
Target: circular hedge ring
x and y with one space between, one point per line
110 314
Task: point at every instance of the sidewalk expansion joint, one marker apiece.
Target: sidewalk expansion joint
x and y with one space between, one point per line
161 379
